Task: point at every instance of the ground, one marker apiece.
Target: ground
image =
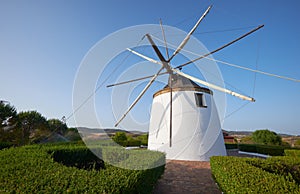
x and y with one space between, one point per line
189 177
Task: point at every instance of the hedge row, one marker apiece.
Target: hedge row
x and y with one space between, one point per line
72 169
5 145
231 146
285 166
262 149
293 153
238 175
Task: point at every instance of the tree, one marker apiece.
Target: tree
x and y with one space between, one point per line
56 125
266 137
8 119
120 138
143 139
33 126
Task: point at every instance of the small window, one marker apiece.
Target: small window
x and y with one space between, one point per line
200 100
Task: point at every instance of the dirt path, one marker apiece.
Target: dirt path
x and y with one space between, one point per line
186 177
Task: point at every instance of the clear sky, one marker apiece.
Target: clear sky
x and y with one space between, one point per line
42 44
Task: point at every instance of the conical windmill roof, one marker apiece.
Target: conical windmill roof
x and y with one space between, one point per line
180 83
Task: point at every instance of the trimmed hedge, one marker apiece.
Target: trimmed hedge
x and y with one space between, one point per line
292 153
229 146
5 145
80 157
288 167
238 175
62 169
262 149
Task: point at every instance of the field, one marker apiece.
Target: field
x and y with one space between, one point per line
72 168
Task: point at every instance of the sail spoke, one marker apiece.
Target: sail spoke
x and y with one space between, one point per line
220 48
139 96
214 86
186 39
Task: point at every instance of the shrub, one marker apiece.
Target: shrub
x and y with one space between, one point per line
80 157
231 146
133 142
266 137
51 169
262 149
236 175
5 145
284 166
293 153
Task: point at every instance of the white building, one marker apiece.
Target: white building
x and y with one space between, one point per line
196 129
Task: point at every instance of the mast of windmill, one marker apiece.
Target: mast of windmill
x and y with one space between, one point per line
165 65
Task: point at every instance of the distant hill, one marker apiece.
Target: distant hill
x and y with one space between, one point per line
239 133
248 133
98 133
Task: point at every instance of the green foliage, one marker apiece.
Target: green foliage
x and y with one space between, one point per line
133 142
238 175
33 126
58 126
262 149
231 146
8 118
266 137
297 143
61 168
247 140
120 138
288 167
143 139
129 141
80 157
292 153
5 145
7 114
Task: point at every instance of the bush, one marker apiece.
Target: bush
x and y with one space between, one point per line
237 175
57 169
266 137
133 142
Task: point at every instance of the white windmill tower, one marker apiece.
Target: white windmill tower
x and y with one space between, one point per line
184 119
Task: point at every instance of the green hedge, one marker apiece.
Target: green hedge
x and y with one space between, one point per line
63 169
262 149
5 145
284 166
238 175
231 146
80 157
293 153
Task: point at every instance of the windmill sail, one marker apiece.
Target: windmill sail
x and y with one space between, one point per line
139 97
214 86
186 39
165 65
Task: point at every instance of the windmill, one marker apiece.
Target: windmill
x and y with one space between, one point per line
161 133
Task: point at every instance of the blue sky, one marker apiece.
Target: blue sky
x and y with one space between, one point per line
42 44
